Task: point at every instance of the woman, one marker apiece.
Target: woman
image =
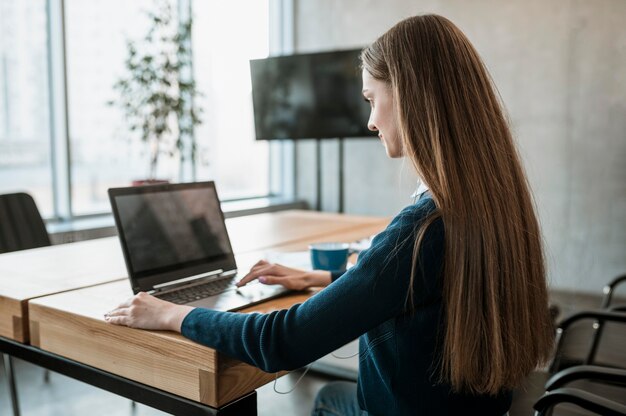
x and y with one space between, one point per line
450 301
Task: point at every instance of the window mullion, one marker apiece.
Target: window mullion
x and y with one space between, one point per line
59 132
188 171
282 167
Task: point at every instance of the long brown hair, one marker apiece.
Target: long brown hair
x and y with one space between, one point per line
453 129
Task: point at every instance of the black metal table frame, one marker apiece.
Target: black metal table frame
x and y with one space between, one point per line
121 386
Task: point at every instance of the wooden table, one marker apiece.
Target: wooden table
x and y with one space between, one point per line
58 296
71 324
31 274
268 231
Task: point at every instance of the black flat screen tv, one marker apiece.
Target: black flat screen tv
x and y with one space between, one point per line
309 96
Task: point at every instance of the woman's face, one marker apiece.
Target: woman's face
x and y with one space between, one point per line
382 114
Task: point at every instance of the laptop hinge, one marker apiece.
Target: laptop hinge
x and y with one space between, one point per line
229 273
185 280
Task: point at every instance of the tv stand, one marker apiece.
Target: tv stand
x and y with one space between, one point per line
341 175
318 180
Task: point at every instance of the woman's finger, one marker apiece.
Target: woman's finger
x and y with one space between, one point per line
117 312
262 262
285 281
117 320
248 278
254 274
258 264
268 279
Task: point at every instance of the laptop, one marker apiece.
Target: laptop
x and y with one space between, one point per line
176 246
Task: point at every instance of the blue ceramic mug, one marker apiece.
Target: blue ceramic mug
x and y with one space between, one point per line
330 256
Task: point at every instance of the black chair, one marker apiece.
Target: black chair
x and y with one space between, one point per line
600 387
21 228
586 338
557 393
21 225
600 318
607 300
592 342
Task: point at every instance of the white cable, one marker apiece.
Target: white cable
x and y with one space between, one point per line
344 357
306 371
297 381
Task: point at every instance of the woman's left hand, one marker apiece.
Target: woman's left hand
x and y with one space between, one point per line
147 312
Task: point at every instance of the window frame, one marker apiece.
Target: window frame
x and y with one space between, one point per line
281 153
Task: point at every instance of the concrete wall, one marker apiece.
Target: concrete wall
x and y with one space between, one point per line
560 67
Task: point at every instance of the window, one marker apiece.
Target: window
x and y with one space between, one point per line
24 117
227 34
102 153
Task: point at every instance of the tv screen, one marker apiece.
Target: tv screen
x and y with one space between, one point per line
309 96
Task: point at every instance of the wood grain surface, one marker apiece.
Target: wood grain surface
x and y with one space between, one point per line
30 274
43 271
264 231
71 322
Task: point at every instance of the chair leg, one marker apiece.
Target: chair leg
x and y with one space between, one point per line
8 367
46 376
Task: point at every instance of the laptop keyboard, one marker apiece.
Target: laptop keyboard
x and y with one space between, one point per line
201 291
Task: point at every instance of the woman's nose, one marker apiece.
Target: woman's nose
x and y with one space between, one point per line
371 126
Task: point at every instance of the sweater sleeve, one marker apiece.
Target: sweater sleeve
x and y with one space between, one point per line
334 275
368 294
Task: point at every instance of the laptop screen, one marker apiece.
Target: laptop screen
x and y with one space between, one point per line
170 232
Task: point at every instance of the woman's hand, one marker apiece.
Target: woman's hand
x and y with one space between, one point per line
147 312
294 279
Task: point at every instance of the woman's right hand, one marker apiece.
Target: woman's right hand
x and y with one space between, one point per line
277 274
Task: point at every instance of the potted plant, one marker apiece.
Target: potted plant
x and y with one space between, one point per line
158 93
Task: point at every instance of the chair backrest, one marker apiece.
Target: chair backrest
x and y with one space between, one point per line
21 225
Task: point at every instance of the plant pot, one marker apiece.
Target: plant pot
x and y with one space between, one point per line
143 182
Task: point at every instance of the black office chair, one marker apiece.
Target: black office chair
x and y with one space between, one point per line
597 389
607 303
558 391
586 338
21 228
21 225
